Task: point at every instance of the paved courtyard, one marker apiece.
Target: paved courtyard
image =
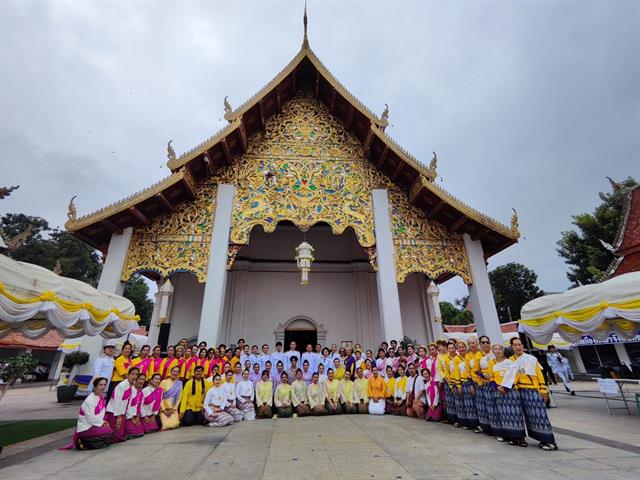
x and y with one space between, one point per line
592 445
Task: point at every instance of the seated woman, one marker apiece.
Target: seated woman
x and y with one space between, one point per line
361 392
346 395
399 392
299 398
264 396
92 431
230 392
117 407
414 393
282 397
191 411
133 426
245 396
315 393
332 394
214 405
376 392
171 394
390 390
433 410
151 401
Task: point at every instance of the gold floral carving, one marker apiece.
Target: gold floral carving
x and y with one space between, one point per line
422 245
176 242
304 168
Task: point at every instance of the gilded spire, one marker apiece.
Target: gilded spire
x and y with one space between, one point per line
228 111
515 224
72 212
171 154
305 40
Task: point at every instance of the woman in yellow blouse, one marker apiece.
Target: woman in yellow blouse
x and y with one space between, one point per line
347 400
361 392
509 411
315 393
169 362
390 389
376 392
332 394
399 393
338 369
451 379
121 367
282 397
533 394
264 396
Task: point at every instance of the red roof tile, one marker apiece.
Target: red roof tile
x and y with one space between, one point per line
50 341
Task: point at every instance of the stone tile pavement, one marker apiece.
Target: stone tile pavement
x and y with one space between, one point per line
355 447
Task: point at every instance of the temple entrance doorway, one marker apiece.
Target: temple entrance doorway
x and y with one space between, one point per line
301 337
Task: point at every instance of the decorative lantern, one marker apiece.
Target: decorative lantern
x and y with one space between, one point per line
304 257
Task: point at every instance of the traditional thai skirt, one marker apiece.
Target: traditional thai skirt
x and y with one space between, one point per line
469 400
119 434
150 424
510 413
482 391
132 430
535 416
450 404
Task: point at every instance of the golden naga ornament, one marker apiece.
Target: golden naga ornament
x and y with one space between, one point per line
304 259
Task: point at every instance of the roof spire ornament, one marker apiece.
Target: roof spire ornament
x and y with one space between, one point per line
384 118
515 224
72 212
171 153
614 185
305 40
434 164
228 111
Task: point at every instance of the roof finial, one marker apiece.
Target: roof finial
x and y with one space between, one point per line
305 41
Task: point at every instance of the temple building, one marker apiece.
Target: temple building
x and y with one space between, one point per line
301 219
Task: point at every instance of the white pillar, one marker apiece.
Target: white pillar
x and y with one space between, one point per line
109 282
56 365
623 355
435 317
160 311
214 290
388 296
480 293
577 356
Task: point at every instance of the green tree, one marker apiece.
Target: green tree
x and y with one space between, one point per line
513 285
451 315
582 248
15 368
137 290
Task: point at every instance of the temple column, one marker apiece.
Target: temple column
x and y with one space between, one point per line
480 293
389 299
160 310
109 282
435 317
214 290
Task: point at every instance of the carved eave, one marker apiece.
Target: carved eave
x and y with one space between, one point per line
305 71
136 210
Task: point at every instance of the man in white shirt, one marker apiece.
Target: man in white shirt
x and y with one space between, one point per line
255 357
292 352
333 353
265 357
278 356
310 357
103 365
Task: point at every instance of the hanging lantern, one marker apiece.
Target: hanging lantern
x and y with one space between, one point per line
304 257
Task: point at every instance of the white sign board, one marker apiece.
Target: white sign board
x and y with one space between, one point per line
608 386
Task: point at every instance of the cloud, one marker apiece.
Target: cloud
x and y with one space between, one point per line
529 105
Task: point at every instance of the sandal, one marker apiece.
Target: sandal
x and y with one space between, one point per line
548 447
523 443
501 439
477 430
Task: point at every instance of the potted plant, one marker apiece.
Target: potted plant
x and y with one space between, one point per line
66 393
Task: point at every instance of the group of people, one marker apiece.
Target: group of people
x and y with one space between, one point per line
470 385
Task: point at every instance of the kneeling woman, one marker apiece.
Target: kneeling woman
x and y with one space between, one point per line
93 431
230 392
264 396
299 398
214 405
133 426
315 392
376 391
152 399
245 396
347 389
282 397
171 393
332 394
119 403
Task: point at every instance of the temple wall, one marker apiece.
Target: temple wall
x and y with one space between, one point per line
186 306
413 308
344 302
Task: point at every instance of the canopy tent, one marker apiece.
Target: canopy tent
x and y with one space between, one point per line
612 306
33 300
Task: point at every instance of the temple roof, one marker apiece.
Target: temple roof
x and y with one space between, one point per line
627 243
305 71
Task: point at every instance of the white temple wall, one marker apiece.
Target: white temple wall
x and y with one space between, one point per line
413 307
263 295
186 306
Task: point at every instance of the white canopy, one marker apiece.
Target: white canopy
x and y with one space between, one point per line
34 300
612 306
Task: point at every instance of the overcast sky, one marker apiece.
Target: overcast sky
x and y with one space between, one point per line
528 104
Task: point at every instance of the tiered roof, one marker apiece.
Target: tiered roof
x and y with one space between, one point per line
627 244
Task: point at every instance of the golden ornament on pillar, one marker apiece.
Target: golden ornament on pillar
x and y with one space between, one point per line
304 257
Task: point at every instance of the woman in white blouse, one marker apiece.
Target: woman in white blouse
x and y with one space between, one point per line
214 404
92 431
245 396
230 391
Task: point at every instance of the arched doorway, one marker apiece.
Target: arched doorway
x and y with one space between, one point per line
301 330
